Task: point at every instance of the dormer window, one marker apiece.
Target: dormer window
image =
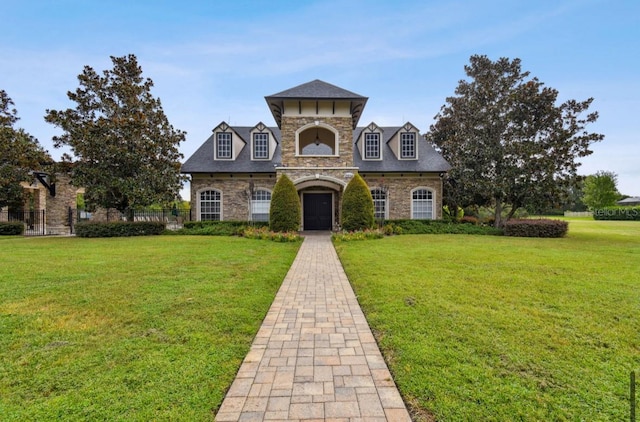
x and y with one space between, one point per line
408 145
260 146
371 146
223 145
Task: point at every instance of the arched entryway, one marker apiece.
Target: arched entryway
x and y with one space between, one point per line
320 199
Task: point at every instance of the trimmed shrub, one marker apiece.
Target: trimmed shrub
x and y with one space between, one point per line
437 227
219 228
284 214
617 213
118 229
536 228
11 228
263 233
357 206
357 235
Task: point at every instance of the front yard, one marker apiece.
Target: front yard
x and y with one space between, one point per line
499 329
143 329
473 327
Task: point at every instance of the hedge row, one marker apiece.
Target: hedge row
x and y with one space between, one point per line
536 228
436 227
118 229
617 213
11 228
219 228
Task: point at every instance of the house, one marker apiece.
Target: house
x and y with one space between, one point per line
631 201
319 145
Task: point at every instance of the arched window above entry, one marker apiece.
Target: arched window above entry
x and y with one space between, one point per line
317 140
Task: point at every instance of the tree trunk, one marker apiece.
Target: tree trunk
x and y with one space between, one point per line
498 214
514 208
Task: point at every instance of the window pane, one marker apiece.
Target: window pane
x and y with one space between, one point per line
224 145
260 204
210 205
372 145
260 145
379 203
408 145
422 204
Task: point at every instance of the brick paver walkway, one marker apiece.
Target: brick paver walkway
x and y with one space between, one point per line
314 358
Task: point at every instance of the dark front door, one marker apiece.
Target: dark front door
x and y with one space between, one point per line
317 211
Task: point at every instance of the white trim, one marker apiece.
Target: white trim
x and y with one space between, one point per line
364 144
252 136
198 200
256 189
215 145
433 201
386 201
415 145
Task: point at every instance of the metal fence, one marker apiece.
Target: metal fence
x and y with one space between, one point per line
174 218
34 220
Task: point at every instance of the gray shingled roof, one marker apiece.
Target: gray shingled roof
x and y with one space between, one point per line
429 160
316 90
633 200
202 160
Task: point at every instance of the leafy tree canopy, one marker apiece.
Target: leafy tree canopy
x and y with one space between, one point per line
600 190
20 155
508 142
125 150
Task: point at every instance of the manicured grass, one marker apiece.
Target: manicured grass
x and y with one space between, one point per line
135 329
501 329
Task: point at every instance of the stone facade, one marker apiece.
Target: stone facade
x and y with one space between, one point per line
399 192
235 189
291 124
58 206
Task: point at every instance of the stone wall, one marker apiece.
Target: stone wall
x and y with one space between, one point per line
58 206
290 124
399 191
235 193
319 173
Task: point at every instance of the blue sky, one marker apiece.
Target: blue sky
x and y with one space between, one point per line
212 61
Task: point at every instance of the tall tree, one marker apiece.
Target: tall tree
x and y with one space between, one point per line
20 155
507 141
600 190
125 150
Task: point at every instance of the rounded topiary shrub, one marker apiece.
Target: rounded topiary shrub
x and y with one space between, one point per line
284 214
357 206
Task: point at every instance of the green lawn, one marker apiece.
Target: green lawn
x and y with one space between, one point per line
482 328
131 329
